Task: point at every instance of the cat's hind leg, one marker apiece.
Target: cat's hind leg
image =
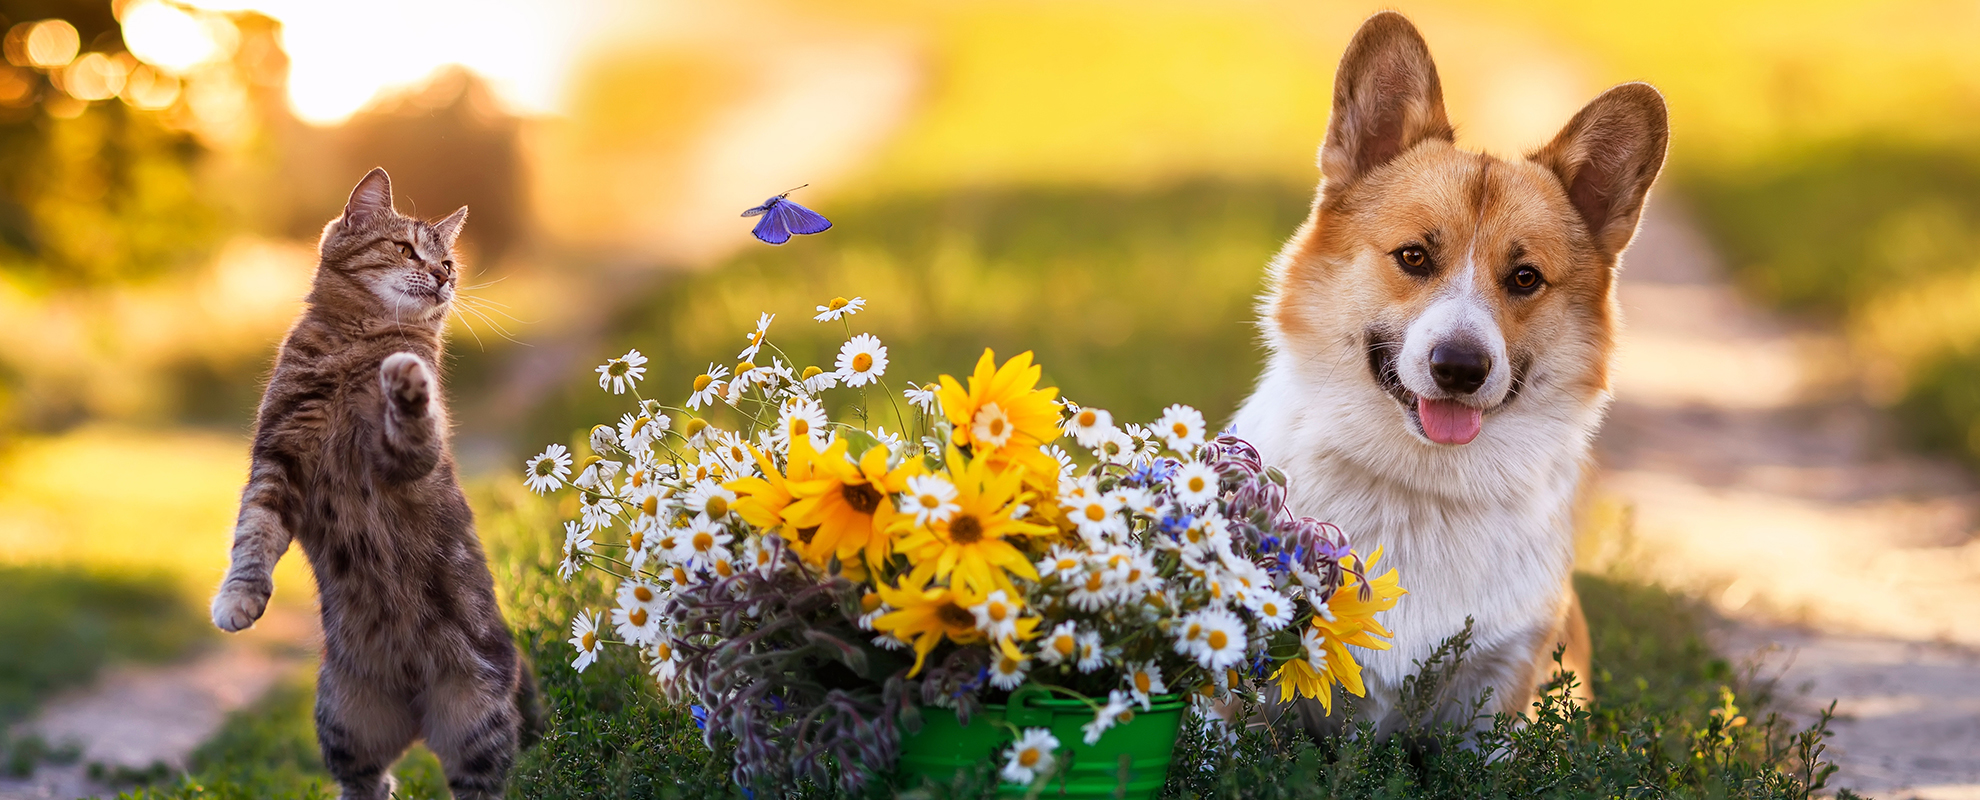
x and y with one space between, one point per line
472 724
362 730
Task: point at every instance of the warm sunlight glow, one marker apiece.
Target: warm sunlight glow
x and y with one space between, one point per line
343 54
168 37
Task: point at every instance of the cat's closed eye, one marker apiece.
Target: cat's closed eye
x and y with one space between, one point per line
405 249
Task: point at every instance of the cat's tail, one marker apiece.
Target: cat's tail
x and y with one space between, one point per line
529 703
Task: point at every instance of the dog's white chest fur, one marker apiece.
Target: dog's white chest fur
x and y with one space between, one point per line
1484 530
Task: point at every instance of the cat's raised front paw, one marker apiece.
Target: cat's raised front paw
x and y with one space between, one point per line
407 381
236 609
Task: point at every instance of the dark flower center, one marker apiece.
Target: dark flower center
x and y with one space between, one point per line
861 497
965 529
956 616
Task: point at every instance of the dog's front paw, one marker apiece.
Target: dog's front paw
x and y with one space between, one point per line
236 608
407 382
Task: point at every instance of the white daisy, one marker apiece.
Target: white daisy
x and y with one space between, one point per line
622 373
596 516
664 661
577 545
634 434
755 337
1114 447
637 616
1272 608
1065 562
991 426
604 441
932 498
1008 669
1088 425
584 636
763 554
800 417
637 551
708 386
1098 517
922 397
1144 680
839 308
1119 709
862 360
1061 645
815 380
1315 646
997 615
1145 502
701 543
1030 757
1195 484
1146 444
1064 458
548 470
1091 652
1181 427
1138 577
1223 640
1190 633
1092 593
709 498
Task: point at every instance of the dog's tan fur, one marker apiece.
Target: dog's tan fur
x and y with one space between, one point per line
1480 530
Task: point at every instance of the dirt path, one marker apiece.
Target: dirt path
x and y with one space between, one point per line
134 717
1752 475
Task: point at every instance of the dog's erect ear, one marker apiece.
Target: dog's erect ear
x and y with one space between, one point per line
1608 156
373 195
1386 99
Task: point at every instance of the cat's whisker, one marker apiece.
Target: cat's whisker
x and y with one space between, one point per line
470 329
490 305
499 330
484 285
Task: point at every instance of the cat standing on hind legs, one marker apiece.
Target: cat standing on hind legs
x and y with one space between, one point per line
350 460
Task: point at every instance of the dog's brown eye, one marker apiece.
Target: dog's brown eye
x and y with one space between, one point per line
1523 280
1414 260
405 249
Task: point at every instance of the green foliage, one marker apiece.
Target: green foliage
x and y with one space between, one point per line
62 625
1856 231
1132 300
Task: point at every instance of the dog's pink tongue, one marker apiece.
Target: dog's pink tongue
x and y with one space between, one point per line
1449 421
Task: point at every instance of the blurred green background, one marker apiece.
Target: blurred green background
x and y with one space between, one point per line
1101 182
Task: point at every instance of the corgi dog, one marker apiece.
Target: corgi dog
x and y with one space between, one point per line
1440 331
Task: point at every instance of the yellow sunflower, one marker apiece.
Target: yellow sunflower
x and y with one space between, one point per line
846 507
1003 415
973 544
924 616
1350 620
761 500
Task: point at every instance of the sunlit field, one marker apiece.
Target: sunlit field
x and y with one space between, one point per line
1101 183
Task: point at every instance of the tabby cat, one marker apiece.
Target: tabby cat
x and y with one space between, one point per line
350 460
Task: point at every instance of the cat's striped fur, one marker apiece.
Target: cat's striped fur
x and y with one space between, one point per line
350 460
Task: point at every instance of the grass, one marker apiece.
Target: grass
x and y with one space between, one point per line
1664 726
64 625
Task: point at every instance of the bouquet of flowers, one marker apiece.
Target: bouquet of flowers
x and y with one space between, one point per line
810 585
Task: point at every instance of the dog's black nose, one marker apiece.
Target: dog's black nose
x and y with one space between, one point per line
1459 367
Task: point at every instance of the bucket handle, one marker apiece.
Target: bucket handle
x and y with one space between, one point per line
1019 711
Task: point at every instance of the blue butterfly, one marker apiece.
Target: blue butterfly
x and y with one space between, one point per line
781 218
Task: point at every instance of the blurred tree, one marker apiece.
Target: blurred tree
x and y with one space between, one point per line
448 143
92 190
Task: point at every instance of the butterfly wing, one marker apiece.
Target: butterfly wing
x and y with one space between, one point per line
799 219
762 208
773 228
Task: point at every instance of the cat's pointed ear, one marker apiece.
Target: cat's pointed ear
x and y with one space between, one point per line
373 195
449 229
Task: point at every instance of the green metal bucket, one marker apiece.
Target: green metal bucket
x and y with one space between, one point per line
1130 761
